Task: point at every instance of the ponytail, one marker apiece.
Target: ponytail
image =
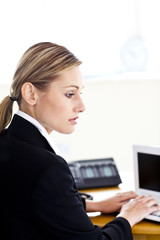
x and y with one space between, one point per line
6 109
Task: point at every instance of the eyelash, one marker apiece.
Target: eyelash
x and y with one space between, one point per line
69 95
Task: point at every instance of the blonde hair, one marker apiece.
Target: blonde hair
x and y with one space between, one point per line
39 65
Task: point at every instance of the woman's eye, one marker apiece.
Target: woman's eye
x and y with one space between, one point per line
69 95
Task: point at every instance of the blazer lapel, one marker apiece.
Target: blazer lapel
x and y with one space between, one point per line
25 131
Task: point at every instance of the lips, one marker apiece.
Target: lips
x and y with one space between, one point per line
73 120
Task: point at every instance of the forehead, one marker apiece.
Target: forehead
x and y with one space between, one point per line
70 78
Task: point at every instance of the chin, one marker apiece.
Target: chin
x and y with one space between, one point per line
68 131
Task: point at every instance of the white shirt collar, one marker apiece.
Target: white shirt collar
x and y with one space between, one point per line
41 129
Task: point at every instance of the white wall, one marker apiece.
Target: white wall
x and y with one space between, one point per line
119 113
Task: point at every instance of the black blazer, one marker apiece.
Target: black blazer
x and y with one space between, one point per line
38 196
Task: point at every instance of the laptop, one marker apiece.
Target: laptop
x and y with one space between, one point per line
147 174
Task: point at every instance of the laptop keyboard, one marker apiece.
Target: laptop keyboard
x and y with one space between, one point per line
156 214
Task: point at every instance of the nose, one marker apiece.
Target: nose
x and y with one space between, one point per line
80 107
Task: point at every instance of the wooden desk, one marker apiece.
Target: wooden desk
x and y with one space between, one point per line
145 230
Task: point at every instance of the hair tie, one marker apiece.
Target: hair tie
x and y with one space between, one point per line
12 98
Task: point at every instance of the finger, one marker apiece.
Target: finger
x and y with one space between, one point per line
140 197
147 202
153 209
149 199
152 202
126 196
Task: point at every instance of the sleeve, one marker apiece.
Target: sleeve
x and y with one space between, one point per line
60 211
84 202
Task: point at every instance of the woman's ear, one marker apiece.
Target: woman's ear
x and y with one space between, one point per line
29 93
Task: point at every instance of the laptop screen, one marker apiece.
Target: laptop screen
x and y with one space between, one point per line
149 171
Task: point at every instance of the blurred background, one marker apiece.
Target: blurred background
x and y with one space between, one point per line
118 43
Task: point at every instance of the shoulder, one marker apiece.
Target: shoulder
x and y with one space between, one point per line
55 172
23 148
38 161
26 159
55 182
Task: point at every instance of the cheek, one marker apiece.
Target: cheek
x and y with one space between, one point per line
55 113
57 108
47 106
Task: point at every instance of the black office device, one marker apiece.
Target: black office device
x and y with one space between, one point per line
94 173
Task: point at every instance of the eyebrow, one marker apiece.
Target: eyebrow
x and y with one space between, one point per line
74 86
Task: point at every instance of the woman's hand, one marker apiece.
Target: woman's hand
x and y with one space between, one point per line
111 204
134 211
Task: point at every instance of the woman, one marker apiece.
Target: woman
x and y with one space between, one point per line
39 199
